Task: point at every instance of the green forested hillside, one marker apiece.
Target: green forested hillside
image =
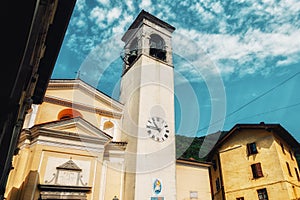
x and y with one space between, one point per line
196 147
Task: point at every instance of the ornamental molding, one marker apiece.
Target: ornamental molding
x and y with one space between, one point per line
70 104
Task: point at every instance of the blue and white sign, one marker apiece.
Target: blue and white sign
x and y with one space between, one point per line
157 186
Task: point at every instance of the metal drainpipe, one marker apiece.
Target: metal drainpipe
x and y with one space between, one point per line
221 177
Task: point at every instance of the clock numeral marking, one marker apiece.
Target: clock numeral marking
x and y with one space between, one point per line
149 132
167 131
166 126
150 121
166 135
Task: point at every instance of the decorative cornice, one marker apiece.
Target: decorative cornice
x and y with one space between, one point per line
193 162
73 122
34 134
70 104
46 187
79 84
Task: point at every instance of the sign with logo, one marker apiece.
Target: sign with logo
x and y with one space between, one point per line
157 186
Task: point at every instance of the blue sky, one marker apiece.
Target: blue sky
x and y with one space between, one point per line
235 61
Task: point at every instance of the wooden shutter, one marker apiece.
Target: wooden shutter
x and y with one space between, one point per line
256 170
248 149
259 170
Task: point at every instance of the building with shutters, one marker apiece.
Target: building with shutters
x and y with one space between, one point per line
255 161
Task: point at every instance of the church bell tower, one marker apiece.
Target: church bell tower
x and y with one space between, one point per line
148 123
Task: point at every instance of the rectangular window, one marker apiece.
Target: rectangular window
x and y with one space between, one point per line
218 185
297 174
251 148
291 154
240 198
282 148
288 168
256 170
262 194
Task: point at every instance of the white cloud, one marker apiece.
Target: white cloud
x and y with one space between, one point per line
239 46
113 14
130 5
80 23
120 28
146 5
216 7
80 5
98 14
254 47
104 2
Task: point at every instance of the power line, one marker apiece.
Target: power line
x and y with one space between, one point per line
263 94
248 103
270 111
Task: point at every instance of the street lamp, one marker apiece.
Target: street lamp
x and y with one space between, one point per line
115 198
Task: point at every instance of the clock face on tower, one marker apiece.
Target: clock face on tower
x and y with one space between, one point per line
157 128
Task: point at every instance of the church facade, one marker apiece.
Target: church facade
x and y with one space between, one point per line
82 144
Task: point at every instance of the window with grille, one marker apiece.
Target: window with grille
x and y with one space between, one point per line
251 148
262 194
256 170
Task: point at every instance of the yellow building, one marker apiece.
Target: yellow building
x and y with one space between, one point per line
255 161
193 181
70 149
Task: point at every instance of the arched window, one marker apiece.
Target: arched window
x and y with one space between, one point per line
68 114
157 47
132 51
108 127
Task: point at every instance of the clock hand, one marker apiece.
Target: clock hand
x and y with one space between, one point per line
153 127
159 129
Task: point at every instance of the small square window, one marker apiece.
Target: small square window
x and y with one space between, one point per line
262 194
240 198
193 195
251 148
256 170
